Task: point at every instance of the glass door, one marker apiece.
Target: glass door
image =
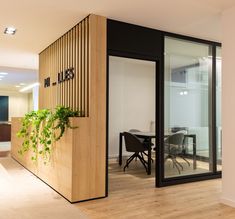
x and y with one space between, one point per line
188 146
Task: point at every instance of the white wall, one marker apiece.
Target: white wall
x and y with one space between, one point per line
35 97
228 107
18 103
131 98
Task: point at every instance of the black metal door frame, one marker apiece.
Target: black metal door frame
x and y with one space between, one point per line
160 179
121 46
157 70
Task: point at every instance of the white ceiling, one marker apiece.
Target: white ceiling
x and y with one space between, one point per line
16 77
39 23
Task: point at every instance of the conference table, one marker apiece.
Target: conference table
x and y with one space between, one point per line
148 136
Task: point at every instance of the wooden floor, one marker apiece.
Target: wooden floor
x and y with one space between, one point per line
132 195
24 196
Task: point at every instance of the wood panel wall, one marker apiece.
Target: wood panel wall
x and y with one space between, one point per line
72 50
77 169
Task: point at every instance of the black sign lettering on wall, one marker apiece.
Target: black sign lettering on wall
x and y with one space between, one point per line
66 75
47 82
63 76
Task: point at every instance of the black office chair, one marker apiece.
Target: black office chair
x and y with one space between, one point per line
174 148
133 144
144 141
183 153
136 130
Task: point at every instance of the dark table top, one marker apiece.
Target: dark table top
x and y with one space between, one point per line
144 134
153 134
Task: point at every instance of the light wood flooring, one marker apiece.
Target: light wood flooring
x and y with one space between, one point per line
132 195
24 196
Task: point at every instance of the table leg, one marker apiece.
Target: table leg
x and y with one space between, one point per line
120 149
149 157
194 153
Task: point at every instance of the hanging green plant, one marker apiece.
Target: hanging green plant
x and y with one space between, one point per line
41 128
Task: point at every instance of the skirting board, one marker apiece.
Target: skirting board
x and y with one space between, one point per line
228 202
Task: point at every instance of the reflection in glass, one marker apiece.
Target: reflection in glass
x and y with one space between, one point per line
187 70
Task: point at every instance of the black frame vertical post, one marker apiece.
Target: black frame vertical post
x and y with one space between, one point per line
214 110
107 125
159 166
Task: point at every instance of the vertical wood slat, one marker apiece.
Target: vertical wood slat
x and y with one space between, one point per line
82 71
70 66
60 61
76 69
41 61
63 66
52 74
55 72
79 68
86 68
69 51
43 91
66 67
49 73
74 64
58 70
68 60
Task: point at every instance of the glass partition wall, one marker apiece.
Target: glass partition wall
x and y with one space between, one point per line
188 104
187 101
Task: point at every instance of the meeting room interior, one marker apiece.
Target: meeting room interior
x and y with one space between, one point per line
132 145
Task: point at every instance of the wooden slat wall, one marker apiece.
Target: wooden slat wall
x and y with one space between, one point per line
69 51
77 168
84 49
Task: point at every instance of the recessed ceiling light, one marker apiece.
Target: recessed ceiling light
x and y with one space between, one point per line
22 84
0 79
17 85
10 30
3 73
